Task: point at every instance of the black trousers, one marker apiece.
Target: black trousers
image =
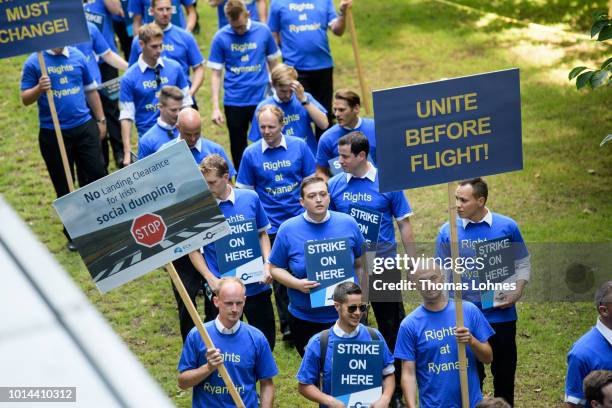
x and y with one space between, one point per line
320 84
83 150
281 299
388 316
303 330
238 120
503 367
125 41
192 280
113 126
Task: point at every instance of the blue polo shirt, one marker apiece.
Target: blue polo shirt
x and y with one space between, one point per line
251 8
141 7
244 58
328 143
179 45
310 367
428 339
69 98
241 205
302 25
593 351
347 191
159 134
138 97
247 358
203 148
288 253
276 174
493 226
297 121
93 50
97 13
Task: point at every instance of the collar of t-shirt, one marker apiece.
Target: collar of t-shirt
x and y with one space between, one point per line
341 333
488 218
65 52
307 217
370 175
231 197
198 145
357 126
265 146
143 65
224 330
604 330
164 125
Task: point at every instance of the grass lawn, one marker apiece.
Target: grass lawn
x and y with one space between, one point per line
562 195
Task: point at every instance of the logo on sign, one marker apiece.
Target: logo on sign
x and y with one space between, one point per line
148 230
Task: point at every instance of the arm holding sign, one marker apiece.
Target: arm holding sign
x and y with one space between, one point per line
190 378
482 350
199 263
30 96
264 243
285 278
313 393
339 23
388 386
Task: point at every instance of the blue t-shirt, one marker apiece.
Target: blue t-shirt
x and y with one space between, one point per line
251 8
310 367
247 358
328 144
140 89
591 352
472 234
97 13
297 121
69 97
92 50
288 253
154 139
276 175
244 58
141 7
204 148
302 25
364 193
179 45
245 207
428 339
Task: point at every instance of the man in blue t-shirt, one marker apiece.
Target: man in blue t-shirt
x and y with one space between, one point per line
476 224
593 351
427 345
300 27
242 348
179 45
350 307
256 9
165 130
141 13
346 110
243 210
355 192
288 257
300 108
141 83
73 89
244 48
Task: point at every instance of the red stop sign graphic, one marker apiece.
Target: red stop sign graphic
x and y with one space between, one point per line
148 229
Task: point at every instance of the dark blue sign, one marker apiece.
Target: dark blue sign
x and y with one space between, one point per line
29 26
328 262
368 221
357 372
239 253
448 130
498 257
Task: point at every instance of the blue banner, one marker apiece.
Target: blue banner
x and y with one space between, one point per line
357 372
498 257
239 253
29 26
448 130
328 262
368 220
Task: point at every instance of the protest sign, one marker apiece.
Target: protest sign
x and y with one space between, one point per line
448 130
239 253
499 256
357 372
368 221
330 263
141 217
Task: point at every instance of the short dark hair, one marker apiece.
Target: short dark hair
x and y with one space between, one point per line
493 403
351 98
481 189
602 292
214 164
594 383
233 9
358 142
344 289
311 180
170 92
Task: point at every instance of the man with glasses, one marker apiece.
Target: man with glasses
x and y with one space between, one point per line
140 86
350 306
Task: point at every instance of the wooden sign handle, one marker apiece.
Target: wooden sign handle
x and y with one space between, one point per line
365 94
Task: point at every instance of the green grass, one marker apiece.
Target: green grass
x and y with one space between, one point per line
562 195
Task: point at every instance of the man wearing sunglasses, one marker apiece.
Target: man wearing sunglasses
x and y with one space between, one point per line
350 307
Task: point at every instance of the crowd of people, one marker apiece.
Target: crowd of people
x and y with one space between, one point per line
302 178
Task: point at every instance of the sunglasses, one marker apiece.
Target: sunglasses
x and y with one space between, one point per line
353 308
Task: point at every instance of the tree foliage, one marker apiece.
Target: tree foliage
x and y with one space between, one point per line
593 77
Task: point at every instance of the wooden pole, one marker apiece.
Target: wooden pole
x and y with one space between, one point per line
203 333
56 125
610 9
365 94
452 222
